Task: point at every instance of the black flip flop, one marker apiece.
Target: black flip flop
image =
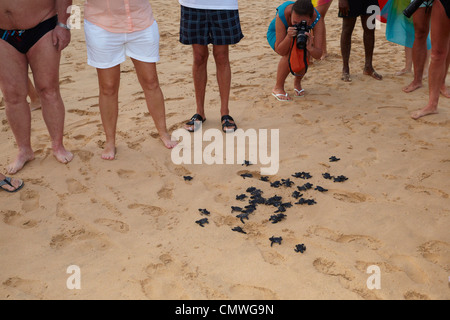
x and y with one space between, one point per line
227 123
7 181
195 117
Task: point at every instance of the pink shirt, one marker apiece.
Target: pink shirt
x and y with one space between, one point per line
119 16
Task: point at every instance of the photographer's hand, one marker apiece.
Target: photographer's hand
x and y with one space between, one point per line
292 32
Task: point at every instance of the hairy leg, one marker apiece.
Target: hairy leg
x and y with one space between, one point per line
14 85
44 61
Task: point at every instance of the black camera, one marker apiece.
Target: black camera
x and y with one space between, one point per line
413 6
302 38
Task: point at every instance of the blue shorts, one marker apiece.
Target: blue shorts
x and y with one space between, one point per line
203 27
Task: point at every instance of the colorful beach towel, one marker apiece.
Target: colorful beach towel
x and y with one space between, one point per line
399 29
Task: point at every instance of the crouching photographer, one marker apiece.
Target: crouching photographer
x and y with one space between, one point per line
295 34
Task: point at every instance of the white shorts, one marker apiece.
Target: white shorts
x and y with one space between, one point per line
107 49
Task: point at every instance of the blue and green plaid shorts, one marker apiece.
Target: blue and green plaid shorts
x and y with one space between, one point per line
203 27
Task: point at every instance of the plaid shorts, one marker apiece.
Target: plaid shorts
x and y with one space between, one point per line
217 27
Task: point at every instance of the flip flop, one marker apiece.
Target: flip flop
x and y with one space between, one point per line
298 93
227 123
191 122
279 95
7 181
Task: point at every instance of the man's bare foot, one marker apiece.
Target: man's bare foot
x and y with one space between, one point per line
445 91
413 86
346 77
423 112
21 160
168 142
372 73
109 152
62 155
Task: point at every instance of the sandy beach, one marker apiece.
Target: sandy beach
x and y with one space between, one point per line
130 224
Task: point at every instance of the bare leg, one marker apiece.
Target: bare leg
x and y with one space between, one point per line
421 19
282 74
369 47
348 25
323 9
148 78
35 101
223 70
44 61
14 85
408 63
109 82
440 42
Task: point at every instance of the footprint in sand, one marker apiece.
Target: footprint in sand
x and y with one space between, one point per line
437 252
81 237
114 225
366 241
125 174
165 193
14 218
161 284
33 288
30 200
75 187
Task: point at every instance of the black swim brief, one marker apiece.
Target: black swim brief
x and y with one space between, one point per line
359 8
446 5
24 40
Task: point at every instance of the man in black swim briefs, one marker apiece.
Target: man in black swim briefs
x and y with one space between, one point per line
33 33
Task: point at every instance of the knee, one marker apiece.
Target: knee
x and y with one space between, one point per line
150 84
108 89
439 55
221 58
48 92
13 96
200 58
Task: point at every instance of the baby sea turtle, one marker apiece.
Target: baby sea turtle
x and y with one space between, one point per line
246 175
296 194
236 209
277 217
334 159
265 179
287 182
340 178
239 229
275 184
247 163
275 240
241 197
201 222
320 189
250 189
242 216
327 176
300 248
204 211
187 178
